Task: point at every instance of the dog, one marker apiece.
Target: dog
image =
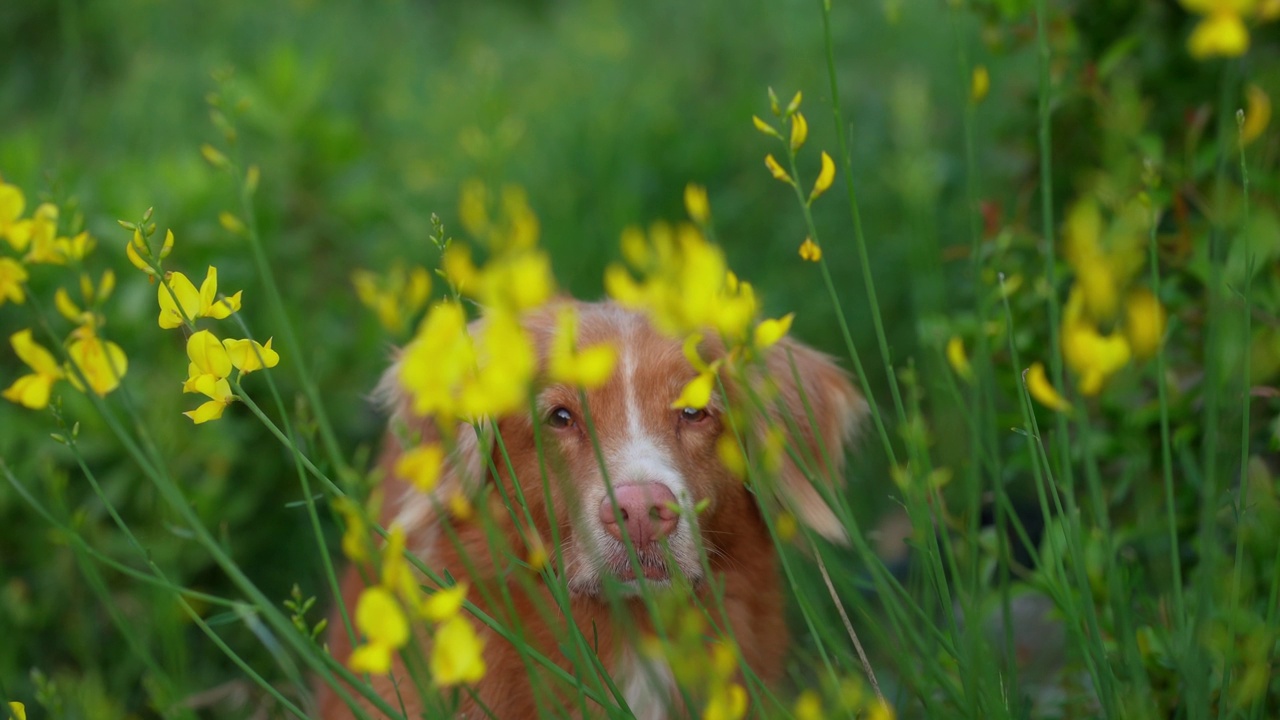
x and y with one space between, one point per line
671 495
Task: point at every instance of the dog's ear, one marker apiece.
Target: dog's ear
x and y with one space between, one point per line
464 469
810 382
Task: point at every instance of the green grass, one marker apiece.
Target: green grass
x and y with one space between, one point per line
136 579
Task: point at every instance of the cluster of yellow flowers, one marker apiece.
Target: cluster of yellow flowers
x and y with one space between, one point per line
383 613
92 363
394 297
708 670
181 304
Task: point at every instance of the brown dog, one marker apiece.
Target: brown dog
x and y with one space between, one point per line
656 459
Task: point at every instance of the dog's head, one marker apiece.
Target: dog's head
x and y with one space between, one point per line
622 465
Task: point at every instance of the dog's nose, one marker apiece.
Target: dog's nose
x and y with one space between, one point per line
648 510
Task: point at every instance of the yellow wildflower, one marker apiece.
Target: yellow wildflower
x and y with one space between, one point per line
809 706
397 575
695 203
958 358
1040 389
785 526
444 603
190 303
505 367
799 131
75 248
12 277
588 368
1092 356
794 105
437 360
12 227
1222 32
43 231
457 656
775 169
1257 114
209 363
393 298
421 466
810 251
250 355
1144 322
880 710
18 711
473 208
33 390
101 362
726 703
769 332
382 621
220 397
765 127
355 536
460 507
137 249
980 84
825 177
697 392
730 455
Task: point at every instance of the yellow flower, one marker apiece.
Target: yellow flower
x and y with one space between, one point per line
765 127
219 398
444 603
12 228
958 358
514 281
75 248
421 466
473 208
695 203
785 526
809 706
1257 114
33 390
43 236
775 169
1222 32
1092 356
355 535
393 298
980 84
769 332
825 177
101 362
457 656
136 250
730 455
250 355
1144 323
810 251
505 367
397 575
18 711
697 393
880 710
1040 389
190 303
726 703
799 131
210 363
12 276
382 621
437 360
794 105
588 368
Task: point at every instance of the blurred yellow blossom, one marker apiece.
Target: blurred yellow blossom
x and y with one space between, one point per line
250 355
695 203
958 358
769 332
382 622
18 711
587 368
12 228
775 169
42 232
697 392
825 177
457 655
1040 388
194 304
445 603
1222 32
12 277
1144 323
730 454
421 466
764 127
395 297
355 535
101 362
1257 114
810 251
979 84
1091 355
33 390
809 706
799 131
726 703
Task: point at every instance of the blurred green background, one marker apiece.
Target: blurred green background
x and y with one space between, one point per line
365 118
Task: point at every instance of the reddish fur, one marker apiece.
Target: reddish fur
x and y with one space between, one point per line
744 559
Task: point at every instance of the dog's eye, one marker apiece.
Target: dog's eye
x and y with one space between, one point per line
693 414
560 417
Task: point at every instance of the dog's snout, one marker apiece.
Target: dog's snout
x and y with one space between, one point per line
648 511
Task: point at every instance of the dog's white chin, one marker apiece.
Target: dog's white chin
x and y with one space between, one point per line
619 573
